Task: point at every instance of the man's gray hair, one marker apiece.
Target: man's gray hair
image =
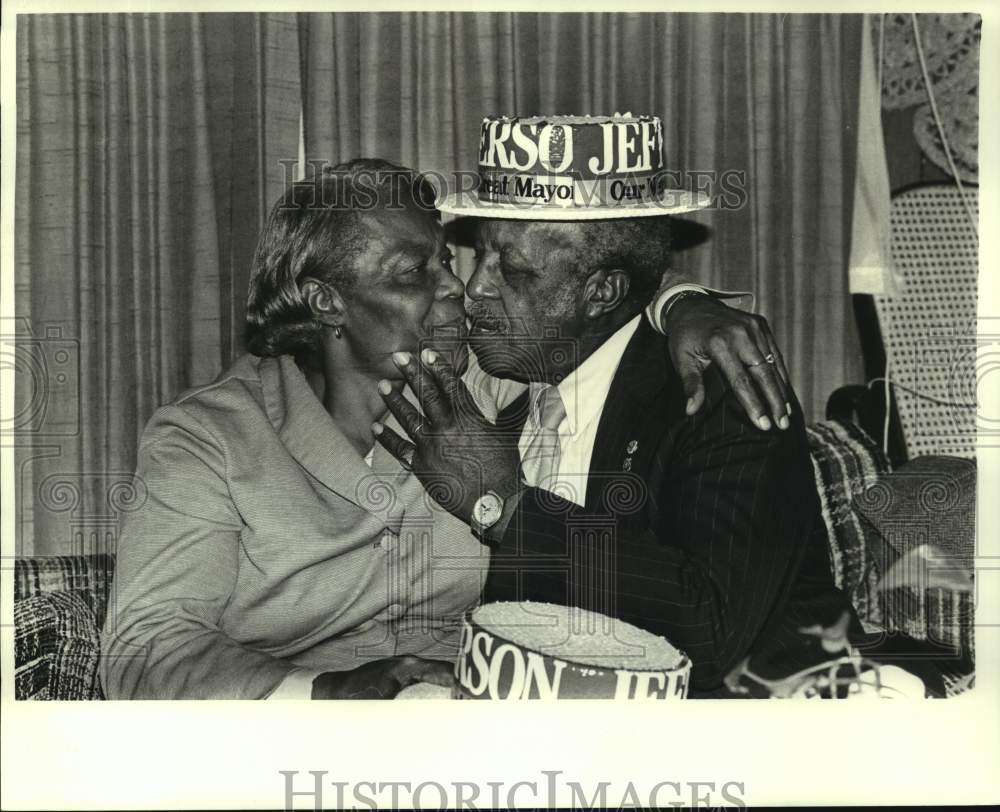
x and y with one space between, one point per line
640 246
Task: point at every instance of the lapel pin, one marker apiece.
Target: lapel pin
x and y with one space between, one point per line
631 447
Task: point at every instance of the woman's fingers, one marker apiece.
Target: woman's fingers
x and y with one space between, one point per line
691 372
420 669
769 384
742 384
755 355
768 346
779 362
762 362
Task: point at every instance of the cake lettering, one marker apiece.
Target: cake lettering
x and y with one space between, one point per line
509 672
500 665
528 145
625 191
526 187
625 147
607 153
491 152
649 685
550 141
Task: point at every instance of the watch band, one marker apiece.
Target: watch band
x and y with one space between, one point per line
673 294
479 528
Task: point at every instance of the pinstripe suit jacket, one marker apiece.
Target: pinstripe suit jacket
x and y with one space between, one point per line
703 529
264 542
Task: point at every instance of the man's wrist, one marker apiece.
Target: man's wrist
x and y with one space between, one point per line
495 533
673 300
657 310
666 298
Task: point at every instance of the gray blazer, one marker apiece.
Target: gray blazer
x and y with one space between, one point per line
265 542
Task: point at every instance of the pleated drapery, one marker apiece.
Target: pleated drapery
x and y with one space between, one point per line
763 102
150 147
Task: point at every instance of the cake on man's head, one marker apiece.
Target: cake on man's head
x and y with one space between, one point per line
572 168
533 650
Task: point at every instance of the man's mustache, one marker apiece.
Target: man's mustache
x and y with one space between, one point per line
482 317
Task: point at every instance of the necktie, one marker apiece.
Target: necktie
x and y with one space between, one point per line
541 457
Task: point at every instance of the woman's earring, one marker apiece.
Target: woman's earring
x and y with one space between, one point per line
338 332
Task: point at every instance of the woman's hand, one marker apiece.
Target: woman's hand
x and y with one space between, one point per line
702 330
382 679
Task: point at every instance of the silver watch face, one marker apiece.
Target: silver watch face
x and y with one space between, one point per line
487 509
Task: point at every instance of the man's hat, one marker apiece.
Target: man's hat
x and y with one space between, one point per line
572 168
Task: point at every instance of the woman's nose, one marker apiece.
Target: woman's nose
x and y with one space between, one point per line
451 287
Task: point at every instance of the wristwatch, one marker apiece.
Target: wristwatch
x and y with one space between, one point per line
486 512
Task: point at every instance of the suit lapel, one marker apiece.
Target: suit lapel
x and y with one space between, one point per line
633 417
311 436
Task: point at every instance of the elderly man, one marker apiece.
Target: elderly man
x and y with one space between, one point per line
716 539
709 529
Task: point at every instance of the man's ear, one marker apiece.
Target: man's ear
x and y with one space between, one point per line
604 291
324 301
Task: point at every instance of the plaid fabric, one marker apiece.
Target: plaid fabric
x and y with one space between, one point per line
939 615
56 648
88 576
846 462
928 501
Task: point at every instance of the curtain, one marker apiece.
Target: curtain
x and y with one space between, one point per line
769 98
149 147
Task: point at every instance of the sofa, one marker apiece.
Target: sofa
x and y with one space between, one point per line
59 608
875 517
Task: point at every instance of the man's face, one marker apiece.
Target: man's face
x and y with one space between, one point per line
524 296
405 296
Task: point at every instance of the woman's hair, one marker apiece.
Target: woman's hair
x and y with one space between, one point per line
315 230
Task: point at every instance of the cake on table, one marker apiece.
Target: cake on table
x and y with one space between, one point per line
533 650
573 167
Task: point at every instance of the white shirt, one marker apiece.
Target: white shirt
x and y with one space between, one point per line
583 393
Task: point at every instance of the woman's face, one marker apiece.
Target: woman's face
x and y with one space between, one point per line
405 296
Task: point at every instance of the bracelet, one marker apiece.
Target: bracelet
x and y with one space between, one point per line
675 299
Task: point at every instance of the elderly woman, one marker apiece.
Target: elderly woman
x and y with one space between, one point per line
280 551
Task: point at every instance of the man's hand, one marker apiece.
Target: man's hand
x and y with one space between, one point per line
456 452
700 330
382 679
